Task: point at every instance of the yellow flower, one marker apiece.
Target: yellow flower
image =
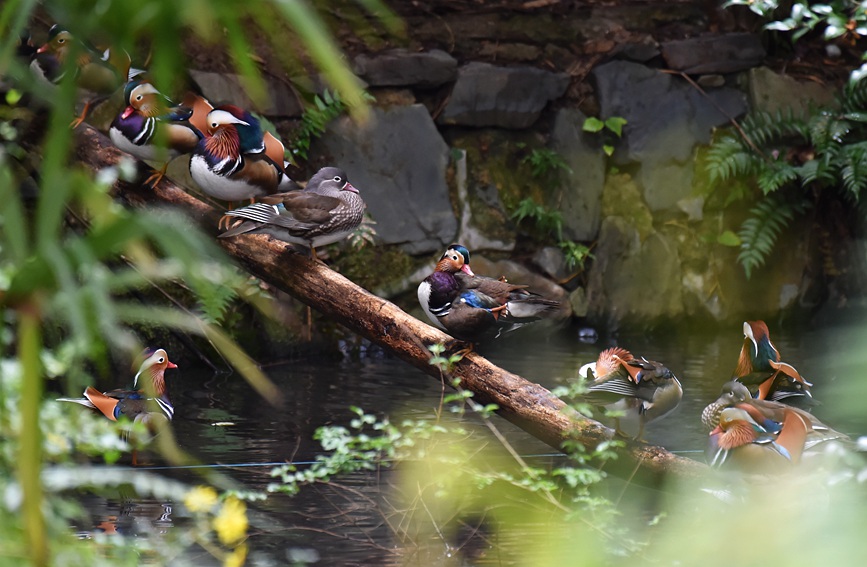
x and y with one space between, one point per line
231 522
237 557
200 499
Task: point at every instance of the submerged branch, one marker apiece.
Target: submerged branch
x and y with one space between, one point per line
529 406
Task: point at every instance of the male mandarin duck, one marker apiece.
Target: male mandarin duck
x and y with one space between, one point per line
768 413
472 308
759 366
101 73
328 210
640 390
135 404
741 442
151 127
236 160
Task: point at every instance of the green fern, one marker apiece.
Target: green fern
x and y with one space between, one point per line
545 220
776 175
823 151
315 120
854 172
759 233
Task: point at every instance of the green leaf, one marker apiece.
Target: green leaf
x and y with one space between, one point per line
592 124
13 96
856 116
608 149
615 124
728 238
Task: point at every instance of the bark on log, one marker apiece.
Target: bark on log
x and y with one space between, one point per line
527 405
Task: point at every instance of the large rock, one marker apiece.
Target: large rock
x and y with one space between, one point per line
772 92
504 97
400 67
714 53
398 161
633 282
484 224
666 119
582 186
226 88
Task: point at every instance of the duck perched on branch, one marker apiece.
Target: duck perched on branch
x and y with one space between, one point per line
474 308
328 210
236 159
152 127
98 72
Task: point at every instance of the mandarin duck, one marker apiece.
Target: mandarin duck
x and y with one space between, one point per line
767 413
638 390
101 73
236 160
759 366
135 405
739 441
151 127
473 308
328 210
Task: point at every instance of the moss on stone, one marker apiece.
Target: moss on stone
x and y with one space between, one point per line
621 197
497 178
374 267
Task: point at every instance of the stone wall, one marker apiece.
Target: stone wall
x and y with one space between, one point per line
469 94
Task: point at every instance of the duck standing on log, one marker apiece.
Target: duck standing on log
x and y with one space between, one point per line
100 73
474 308
328 210
152 127
236 160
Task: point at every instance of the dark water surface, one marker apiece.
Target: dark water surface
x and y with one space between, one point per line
338 523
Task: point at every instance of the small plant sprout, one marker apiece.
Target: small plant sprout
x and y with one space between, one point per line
613 125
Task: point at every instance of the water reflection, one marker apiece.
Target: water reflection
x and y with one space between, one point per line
344 522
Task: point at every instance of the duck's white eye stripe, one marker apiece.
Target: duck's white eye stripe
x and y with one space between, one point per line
217 117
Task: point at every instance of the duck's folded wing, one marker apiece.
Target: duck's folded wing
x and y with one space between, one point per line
617 385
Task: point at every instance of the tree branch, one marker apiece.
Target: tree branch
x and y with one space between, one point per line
529 406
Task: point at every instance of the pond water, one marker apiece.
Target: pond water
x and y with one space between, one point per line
337 524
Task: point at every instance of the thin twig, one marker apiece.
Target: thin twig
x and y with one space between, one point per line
731 120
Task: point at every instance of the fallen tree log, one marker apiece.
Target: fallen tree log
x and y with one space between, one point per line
529 406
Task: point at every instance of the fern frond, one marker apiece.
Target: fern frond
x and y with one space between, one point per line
759 233
854 97
213 301
730 158
854 171
764 128
315 119
778 174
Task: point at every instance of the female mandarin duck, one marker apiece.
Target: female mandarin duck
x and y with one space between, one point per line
640 390
759 365
134 404
328 210
740 442
101 73
153 128
236 160
473 308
